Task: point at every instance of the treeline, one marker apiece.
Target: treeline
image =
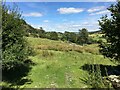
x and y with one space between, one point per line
81 37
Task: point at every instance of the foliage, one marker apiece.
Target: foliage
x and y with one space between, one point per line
111 29
94 79
83 36
41 33
70 36
52 35
14 45
80 38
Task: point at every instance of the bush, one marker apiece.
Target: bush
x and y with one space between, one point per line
13 42
95 79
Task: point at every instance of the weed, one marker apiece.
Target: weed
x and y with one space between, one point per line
46 53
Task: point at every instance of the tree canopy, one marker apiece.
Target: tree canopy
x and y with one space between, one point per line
111 30
14 45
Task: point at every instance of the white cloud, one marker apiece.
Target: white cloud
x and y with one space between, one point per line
76 25
33 14
94 9
89 24
70 10
101 12
85 23
46 21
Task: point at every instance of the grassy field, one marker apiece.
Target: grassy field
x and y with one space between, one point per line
58 64
97 37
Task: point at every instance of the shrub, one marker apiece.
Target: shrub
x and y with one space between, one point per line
14 48
94 79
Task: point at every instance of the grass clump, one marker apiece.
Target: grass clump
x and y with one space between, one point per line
46 53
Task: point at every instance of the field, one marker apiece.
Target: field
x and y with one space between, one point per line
59 64
60 68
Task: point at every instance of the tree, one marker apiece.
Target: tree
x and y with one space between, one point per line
52 35
66 36
111 30
41 28
69 36
73 37
14 45
41 32
83 36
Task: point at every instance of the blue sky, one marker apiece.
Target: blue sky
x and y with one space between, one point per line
63 16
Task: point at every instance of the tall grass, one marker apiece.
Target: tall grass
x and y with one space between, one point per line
45 44
46 53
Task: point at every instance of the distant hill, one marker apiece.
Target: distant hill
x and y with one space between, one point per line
30 30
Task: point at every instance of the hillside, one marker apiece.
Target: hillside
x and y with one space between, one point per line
47 44
59 64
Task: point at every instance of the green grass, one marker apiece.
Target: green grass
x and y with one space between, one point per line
46 44
97 37
59 68
62 69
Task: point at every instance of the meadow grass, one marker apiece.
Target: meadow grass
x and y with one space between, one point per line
46 44
61 68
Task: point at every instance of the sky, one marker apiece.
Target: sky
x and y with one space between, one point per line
63 16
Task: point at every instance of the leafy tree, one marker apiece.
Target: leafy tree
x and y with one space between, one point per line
41 28
111 29
70 36
83 36
41 32
60 35
73 37
29 30
52 35
66 36
14 49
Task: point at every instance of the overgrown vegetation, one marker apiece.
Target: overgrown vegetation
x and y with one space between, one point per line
97 76
111 30
61 69
46 44
15 50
